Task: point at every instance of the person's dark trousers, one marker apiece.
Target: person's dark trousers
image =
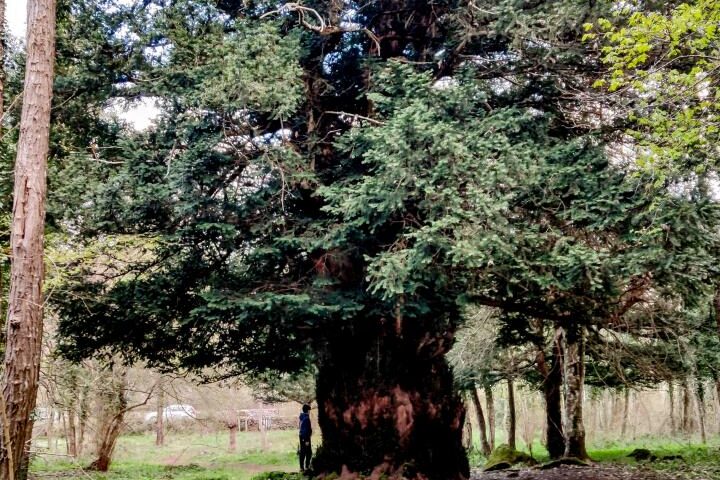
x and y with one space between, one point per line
305 453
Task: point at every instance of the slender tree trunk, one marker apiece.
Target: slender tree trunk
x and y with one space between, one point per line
484 444
49 430
114 407
24 316
574 363
700 408
671 399
686 417
490 402
552 393
626 411
71 433
386 403
71 411
233 429
467 437
511 424
160 410
83 416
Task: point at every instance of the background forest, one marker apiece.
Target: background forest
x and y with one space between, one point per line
460 229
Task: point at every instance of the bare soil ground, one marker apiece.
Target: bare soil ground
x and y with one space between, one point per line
596 472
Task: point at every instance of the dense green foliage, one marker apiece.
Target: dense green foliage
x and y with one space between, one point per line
334 186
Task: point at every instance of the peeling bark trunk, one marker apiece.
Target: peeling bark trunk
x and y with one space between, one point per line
484 444
490 402
24 316
574 363
511 424
386 404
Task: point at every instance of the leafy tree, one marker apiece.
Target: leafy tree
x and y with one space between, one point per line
665 55
332 185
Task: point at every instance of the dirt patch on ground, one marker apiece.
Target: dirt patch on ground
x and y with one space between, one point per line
596 472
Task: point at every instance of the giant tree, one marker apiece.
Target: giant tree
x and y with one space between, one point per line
331 183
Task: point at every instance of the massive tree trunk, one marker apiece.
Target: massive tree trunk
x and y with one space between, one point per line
24 316
574 363
552 393
386 403
511 418
484 444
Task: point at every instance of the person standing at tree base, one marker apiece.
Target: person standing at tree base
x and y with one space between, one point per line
305 449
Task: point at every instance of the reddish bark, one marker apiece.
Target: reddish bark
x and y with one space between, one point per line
387 405
24 316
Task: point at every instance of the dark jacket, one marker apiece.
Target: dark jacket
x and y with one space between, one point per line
305 427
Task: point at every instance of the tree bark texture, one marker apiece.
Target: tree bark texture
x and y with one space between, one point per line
490 403
552 376
24 316
484 444
387 404
511 417
574 363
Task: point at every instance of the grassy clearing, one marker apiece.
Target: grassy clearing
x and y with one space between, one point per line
184 457
698 461
206 457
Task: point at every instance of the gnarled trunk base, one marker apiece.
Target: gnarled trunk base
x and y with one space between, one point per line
387 405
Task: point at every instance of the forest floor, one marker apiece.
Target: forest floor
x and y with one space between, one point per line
192 456
611 462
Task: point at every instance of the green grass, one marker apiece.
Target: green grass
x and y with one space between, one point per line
698 461
206 457
184 457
